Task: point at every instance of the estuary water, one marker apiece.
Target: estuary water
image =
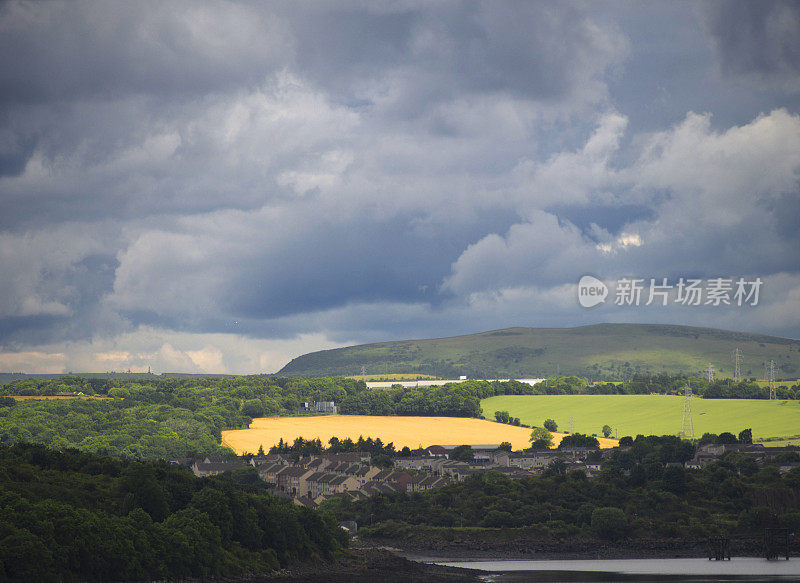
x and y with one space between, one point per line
738 568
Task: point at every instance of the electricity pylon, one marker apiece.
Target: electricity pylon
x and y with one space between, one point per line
771 379
687 427
737 365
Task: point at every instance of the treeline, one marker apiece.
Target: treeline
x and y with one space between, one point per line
449 400
335 445
505 417
666 384
73 516
253 396
641 493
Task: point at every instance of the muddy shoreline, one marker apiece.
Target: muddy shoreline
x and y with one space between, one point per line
372 565
401 561
577 548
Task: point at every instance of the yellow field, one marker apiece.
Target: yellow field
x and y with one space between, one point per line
402 431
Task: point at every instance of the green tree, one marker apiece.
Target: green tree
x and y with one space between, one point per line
541 438
607 431
462 453
746 436
253 408
550 425
578 440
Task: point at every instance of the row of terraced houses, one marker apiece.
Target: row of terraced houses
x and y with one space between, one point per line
312 479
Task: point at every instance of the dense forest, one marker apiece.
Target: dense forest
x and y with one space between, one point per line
642 492
159 418
74 516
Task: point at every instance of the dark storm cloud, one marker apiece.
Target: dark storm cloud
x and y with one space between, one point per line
759 40
534 49
117 102
359 261
58 51
68 65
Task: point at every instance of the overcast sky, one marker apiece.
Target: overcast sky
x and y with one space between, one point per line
223 186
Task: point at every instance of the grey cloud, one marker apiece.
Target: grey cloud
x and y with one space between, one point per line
57 51
265 265
757 40
138 157
54 283
412 57
69 64
128 110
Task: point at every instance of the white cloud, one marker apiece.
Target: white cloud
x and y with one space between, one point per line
714 208
575 178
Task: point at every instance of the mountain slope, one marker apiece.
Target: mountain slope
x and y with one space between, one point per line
602 351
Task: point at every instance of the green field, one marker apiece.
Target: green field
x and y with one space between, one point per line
651 414
598 352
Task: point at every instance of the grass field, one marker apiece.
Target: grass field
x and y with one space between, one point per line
402 431
785 383
651 414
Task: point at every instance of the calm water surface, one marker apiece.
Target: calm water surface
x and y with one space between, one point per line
639 569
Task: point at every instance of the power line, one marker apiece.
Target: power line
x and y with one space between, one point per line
687 427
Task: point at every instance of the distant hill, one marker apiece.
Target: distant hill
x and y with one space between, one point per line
599 352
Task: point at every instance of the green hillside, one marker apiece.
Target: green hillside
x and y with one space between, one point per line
599 352
650 414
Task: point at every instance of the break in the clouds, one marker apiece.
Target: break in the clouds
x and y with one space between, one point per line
221 186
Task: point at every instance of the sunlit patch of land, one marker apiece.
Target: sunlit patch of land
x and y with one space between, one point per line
781 441
651 414
784 383
402 431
